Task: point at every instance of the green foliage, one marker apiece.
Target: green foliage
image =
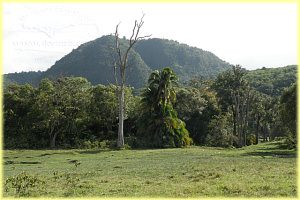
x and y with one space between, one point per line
23 184
103 110
196 107
60 106
220 133
288 114
20 78
272 81
159 125
226 82
189 102
67 112
188 62
20 119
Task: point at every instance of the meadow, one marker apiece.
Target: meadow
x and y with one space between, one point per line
260 170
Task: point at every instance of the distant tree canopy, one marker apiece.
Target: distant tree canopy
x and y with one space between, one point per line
20 78
272 81
227 111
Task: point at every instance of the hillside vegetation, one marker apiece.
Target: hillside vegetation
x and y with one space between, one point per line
272 81
20 78
93 61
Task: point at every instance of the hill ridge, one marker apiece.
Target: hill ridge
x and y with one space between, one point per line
92 60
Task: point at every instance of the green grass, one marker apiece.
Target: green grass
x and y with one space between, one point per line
254 171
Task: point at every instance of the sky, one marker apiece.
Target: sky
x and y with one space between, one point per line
253 35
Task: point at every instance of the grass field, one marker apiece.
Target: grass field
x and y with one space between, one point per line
254 171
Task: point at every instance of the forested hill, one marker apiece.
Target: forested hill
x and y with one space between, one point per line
186 61
272 81
21 78
93 61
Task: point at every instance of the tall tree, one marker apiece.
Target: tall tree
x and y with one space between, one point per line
164 82
258 112
242 102
226 82
235 94
288 114
121 62
60 103
18 116
159 125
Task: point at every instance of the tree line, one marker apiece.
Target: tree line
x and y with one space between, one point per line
225 111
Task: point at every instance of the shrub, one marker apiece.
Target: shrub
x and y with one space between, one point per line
220 133
23 184
131 141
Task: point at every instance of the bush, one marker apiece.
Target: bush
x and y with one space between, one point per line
250 139
131 141
221 140
24 184
220 133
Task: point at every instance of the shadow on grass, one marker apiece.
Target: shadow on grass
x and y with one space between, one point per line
274 153
94 151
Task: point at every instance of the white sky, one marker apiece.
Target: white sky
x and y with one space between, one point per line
250 34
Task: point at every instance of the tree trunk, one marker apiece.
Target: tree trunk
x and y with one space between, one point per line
52 142
248 104
256 130
234 121
239 123
121 118
122 63
265 129
52 139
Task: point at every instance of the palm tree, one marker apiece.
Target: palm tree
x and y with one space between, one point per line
159 124
164 82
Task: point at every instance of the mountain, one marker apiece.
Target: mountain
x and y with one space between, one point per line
93 61
272 81
188 62
20 78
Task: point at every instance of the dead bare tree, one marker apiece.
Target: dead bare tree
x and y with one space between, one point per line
121 62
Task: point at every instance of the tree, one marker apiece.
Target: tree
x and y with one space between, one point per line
258 112
60 103
159 125
242 102
235 94
226 82
121 62
18 116
193 109
164 81
103 109
189 102
288 114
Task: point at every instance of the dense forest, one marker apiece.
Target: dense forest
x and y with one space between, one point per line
272 81
233 109
93 61
20 78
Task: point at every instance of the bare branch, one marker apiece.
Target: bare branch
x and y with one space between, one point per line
107 81
122 63
133 31
131 62
131 70
118 45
